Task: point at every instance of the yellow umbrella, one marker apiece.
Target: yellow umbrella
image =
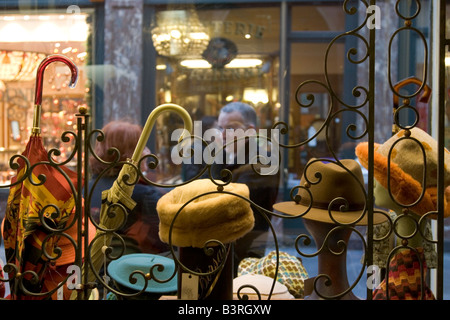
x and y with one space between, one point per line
117 201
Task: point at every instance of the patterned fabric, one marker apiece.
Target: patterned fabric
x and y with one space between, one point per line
291 271
23 231
382 248
405 279
2 284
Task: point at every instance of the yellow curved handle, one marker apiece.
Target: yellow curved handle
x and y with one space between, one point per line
151 122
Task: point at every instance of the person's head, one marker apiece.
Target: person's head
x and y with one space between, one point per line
236 115
122 135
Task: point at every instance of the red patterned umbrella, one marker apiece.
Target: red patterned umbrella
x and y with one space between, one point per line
40 202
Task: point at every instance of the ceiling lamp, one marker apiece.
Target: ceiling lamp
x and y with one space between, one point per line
19 65
235 63
179 33
220 52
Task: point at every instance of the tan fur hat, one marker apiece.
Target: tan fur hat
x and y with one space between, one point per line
407 169
214 216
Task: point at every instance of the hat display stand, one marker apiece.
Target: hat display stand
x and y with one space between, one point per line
331 201
332 278
215 272
203 220
406 178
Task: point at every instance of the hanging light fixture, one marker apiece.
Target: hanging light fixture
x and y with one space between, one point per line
19 65
179 33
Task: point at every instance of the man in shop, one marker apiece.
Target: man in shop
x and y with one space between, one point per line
243 147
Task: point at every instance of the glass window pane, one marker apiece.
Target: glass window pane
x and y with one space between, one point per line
447 76
306 115
318 18
240 63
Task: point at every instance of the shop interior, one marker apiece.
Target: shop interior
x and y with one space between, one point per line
25 41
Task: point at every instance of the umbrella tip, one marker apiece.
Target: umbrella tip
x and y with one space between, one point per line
74 78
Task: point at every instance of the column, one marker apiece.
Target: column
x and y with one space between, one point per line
123 56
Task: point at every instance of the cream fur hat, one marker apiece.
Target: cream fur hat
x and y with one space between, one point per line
407 169
200 213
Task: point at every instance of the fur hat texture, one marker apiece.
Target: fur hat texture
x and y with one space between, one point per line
408 162
199 213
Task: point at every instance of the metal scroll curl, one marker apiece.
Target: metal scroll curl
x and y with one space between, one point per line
337 249
224 249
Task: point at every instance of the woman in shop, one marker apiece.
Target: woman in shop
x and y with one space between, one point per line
140 231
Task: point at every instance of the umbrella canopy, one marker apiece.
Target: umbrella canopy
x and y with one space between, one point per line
40 202
117 201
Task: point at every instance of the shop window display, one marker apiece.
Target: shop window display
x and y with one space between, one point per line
201 81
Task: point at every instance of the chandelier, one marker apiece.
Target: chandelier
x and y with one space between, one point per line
19 65
179 33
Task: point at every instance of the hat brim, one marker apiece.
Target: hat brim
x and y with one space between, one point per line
340 217
67 248
121 269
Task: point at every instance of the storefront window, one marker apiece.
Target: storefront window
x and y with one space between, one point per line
133 56
205 55
308 80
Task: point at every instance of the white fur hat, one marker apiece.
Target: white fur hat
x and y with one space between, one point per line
200 212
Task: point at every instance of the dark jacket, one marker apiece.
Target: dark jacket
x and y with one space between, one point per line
263 188
142 224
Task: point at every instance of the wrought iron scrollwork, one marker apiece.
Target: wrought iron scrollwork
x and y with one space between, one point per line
338 108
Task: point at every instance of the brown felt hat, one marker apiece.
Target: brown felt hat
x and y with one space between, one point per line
331 192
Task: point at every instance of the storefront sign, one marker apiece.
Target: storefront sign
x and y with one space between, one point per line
237 28
223 74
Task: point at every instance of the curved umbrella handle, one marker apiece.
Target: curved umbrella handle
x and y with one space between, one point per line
40 83
426 89
151 122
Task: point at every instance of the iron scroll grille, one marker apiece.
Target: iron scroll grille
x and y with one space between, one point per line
364 110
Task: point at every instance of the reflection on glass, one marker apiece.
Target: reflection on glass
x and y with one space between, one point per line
15 131
26 38
240 64
318 18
